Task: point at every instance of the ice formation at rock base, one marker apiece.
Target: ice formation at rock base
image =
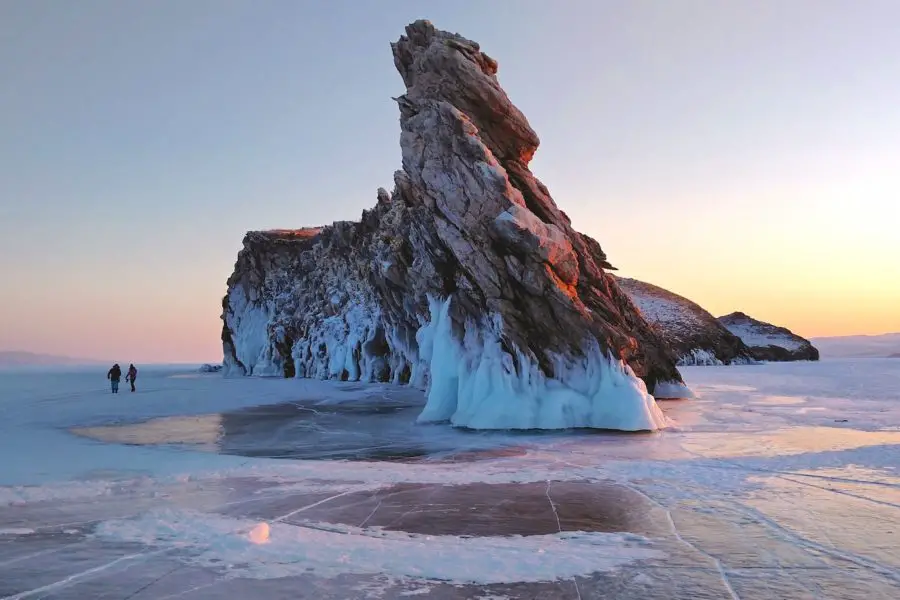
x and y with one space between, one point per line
477 385
472 382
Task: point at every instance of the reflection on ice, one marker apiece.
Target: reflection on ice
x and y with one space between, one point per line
795 440
384 431
203 431
780 400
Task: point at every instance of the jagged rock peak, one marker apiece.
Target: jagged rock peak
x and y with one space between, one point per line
467 279
437 65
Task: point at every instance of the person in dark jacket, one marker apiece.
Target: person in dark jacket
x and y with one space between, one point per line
114 375
132 373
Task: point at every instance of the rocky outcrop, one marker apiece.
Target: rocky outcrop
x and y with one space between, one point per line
696 337
467 279
769 342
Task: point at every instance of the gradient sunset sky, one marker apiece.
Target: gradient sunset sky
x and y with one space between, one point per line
745 154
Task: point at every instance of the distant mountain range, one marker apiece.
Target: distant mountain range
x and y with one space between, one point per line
15 358
859 346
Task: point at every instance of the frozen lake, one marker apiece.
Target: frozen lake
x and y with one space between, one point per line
777 481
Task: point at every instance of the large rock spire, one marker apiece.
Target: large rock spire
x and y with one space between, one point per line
466 279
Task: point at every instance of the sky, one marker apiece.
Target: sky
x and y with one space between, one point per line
744 154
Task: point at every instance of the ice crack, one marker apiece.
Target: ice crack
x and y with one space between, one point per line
313 505
718 564
371 514
72 578
553 508
559 528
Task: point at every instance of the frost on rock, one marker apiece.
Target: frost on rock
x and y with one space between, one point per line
769 342
699 357
696 337
533 331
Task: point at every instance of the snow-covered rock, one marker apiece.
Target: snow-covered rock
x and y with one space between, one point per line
695 335
207 368
769 342
467 280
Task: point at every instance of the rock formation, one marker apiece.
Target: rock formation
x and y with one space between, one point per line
769 342
696 337
467 280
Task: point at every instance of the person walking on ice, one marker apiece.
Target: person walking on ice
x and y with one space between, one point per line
114 375
132 373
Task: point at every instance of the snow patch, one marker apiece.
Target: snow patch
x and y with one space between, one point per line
17 531
70 490
477 384
666 312
329 550
758 338
422 591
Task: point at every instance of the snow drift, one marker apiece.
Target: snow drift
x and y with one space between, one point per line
467 280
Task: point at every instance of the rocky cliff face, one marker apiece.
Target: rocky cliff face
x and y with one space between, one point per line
467 279
696 337
769 342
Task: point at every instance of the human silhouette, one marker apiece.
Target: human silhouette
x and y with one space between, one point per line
114 375
132 373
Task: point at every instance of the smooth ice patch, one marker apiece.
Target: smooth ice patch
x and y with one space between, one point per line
200 430
329 550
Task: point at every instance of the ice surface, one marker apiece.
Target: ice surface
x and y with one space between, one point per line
477 384
330 549
776 481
